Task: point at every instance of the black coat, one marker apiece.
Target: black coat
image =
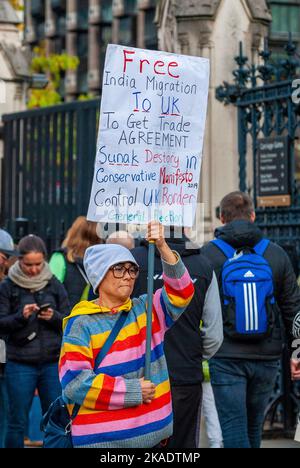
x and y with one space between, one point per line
74 281
32 341
183 343
241 234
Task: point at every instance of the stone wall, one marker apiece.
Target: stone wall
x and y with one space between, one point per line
13 66
213 30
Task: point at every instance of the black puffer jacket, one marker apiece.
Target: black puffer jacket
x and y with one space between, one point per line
74 281
246 234
32 341
183 342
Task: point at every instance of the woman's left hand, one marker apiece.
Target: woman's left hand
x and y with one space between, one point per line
46 314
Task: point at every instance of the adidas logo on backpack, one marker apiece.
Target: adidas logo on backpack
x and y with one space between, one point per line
249 274
248 292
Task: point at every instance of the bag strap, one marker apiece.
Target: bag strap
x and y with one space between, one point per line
225 248
104 350
82 273
85 292
261 247
110 340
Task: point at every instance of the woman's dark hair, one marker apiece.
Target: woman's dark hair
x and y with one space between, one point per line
30 244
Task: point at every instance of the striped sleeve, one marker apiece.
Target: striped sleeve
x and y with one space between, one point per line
171 301
94 391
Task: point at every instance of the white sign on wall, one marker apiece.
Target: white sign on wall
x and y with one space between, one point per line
150 140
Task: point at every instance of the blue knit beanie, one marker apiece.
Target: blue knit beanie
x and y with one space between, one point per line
99 258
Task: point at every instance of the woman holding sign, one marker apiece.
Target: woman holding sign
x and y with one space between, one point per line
118 408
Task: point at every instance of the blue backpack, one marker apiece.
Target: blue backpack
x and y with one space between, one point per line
249 304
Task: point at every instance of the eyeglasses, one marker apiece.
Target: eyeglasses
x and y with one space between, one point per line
119 271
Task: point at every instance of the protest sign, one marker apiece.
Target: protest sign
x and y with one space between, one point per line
150 141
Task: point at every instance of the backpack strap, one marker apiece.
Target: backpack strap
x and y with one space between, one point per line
261 247
225 248
82 272
91 295
104 350
85 292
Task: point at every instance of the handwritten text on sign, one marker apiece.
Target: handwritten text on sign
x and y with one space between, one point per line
150 138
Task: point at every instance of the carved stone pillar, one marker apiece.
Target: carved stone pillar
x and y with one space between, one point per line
94 11
72 16
141 28
118 10
71 81
259 26
94 80
167 25
50 27
30 35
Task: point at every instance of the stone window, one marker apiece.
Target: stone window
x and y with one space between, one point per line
106 11
127 31
105 29
285 18
150 29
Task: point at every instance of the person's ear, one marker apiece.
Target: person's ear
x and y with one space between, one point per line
222 219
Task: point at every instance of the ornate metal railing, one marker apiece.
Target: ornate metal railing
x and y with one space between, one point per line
263 94
48 168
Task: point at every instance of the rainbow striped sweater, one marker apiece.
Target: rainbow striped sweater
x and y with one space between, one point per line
112 414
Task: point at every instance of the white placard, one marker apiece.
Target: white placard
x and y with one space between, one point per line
150 140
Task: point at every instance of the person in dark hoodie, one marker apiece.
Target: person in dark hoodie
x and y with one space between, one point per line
186 344
32 306
243 372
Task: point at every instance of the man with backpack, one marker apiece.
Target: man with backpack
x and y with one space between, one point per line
260 298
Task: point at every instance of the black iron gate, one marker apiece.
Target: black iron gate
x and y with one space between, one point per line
48 168
263 95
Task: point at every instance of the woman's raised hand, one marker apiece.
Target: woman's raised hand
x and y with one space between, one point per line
156 233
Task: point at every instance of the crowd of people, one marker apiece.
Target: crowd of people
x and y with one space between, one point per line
221 316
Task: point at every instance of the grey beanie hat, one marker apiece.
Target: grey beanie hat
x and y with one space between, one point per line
7 244
99 258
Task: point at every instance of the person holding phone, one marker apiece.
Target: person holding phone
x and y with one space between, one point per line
32 305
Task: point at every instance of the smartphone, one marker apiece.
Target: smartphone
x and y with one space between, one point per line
44 307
